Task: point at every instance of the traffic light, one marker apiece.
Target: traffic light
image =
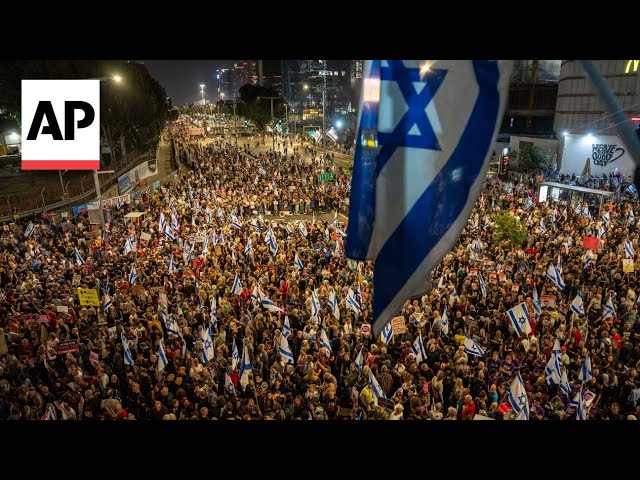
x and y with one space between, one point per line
504 165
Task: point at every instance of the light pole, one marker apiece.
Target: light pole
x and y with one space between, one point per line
117 79
204 111
96 182
235 123
273 135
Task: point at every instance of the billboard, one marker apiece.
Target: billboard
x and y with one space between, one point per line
134 177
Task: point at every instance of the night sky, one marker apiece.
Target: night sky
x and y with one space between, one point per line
182 78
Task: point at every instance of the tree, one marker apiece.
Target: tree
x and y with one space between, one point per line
258 109
532 157
508 228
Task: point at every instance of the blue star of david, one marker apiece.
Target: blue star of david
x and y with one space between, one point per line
522 320
416 115
521 399
207 344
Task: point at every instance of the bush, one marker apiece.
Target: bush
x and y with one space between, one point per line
510 229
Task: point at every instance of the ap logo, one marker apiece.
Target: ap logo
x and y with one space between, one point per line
60 124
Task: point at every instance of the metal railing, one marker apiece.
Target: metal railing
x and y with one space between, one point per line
67 203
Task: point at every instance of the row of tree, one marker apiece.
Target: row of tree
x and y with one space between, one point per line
134 110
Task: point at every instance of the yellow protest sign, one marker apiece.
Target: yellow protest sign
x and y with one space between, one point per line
88 297
627 265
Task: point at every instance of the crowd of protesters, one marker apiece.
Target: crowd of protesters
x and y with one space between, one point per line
142 352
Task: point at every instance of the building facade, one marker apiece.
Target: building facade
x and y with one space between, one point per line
586 130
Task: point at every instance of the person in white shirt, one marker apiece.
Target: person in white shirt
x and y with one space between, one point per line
398 413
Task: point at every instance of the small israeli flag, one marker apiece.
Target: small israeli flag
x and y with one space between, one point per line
555 276
607 218
172 266
286 328
162 223
297 263
79 259
245 368
268 304
228 385
564 383
352 303
271 241
629 251
376 388
483 286
236 288
254 224
472 348
235 356
333 304
582 412
519 317
162 358
132 274
302 228
315 304
528 203
107 303
586 373
445 322
168 232
359 362
518 398
577 306
285 350
609 309
220 214
128 247
235 222
255 296
601 232
537 309
543 229
126 352
414 153
207 345
631 218
213 311
387 333
29 230
418 349
553 369
175 224
324 339
247 248
207 215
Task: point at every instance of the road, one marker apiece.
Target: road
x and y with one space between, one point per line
342 160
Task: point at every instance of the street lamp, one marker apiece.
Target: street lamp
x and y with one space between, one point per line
116 78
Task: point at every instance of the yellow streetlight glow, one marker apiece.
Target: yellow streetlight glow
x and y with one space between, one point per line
425 68
117 78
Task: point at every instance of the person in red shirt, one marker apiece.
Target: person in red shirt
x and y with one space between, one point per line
469 409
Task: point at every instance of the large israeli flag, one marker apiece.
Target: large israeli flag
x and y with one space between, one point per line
133 274
297 263
555 275
268 304
79 259
519 317
472 348
352 303
162 222
426 129
247 248
359 362
324 339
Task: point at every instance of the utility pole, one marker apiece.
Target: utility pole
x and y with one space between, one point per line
324 127
235 122
96 182
273 135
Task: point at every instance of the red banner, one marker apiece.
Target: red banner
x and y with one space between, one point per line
590 243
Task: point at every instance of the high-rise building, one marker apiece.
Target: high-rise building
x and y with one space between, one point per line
532 98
